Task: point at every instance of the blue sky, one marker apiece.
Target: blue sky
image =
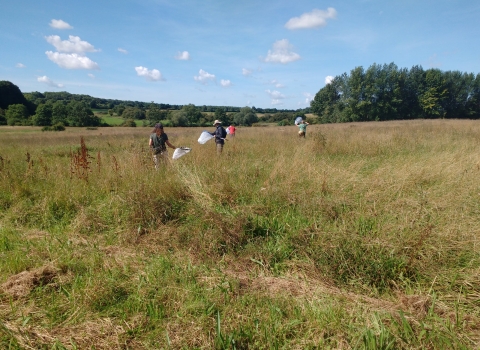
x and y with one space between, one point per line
226 53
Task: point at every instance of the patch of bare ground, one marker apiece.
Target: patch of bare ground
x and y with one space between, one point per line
21 284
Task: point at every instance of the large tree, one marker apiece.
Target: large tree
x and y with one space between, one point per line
179 118
17 114
3 120
59 113
79 114
43 115
325 101
246 116
155 114
133 113
192 114
10 94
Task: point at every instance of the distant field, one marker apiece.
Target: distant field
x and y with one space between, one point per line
360 236
112 120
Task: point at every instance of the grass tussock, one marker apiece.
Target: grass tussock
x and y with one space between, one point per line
361 236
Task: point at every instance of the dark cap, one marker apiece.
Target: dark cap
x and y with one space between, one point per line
158 126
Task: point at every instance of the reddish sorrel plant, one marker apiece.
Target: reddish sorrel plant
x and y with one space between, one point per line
80 163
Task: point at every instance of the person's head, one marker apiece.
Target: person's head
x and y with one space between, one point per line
217 123
158 129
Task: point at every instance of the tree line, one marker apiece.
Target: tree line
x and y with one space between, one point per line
385 92
65 109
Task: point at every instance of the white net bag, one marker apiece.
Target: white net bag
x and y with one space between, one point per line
180 152
204 137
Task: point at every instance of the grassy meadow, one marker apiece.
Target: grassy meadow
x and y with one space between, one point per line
361 236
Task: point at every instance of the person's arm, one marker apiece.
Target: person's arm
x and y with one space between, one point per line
150 143
170 145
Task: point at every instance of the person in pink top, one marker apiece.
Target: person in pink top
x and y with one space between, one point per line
232 129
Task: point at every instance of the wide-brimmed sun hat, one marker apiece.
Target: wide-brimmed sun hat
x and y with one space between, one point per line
158 126
217 122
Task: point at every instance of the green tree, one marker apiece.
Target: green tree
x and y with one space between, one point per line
179 118
473 99
460 88
192 114
155 114
383 88
17 114
129 123
3 120
43 115
79 114
245 117
220 114
324 102
35 97
133 113
119 109
59 113
414 87
10 94
432 101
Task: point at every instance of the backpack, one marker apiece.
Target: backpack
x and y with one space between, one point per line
224 132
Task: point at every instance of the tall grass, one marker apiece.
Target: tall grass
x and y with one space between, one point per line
359 236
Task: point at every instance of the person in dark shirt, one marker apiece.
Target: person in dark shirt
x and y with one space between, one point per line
220 134
158 143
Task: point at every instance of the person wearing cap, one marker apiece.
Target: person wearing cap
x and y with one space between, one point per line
158 143
220 134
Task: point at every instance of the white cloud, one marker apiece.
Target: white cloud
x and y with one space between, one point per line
73 45
276 102
59 24
277 95
314 19
328 79
122 50
91 75
71 61
183 56
150 75
282 53
48 81
226 83
20 65
203 77
246 72
277 84
308 97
